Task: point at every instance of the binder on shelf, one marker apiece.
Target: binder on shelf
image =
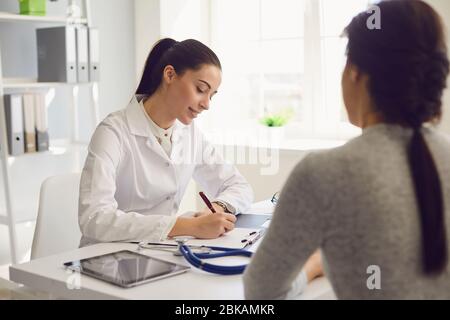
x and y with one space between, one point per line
57 54
42 138
14 123
94 54
82 54
29 124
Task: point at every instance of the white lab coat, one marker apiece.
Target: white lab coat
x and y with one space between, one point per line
131 189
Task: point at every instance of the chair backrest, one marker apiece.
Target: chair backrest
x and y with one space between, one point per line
57 228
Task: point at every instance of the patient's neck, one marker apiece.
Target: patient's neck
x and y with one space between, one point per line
372 119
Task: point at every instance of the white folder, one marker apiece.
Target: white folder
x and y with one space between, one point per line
71 54
14 124
28 117
41 122
82 54
94 55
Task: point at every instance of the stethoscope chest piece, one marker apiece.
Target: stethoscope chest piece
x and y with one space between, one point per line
196 254
181 241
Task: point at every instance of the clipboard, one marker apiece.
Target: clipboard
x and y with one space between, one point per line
238 238
252 220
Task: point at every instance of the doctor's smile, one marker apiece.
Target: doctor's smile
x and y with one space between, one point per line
194 113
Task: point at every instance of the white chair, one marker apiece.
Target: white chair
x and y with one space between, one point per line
57 227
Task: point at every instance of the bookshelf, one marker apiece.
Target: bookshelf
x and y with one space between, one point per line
13 17
25 83
12 212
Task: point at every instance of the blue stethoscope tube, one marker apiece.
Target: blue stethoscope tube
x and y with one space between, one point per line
195 259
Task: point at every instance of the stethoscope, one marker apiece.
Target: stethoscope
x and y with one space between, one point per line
195 254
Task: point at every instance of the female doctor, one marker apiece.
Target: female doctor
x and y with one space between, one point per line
141 158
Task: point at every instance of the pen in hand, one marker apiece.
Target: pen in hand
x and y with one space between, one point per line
207 202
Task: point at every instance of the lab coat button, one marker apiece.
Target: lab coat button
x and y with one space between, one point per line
167 164
168 198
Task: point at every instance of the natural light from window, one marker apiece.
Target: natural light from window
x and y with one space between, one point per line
281 56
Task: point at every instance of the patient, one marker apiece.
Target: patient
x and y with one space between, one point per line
378 207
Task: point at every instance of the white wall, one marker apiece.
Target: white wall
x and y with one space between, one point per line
177 19
115 21
147 26
183 19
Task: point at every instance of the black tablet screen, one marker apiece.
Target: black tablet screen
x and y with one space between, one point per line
125 268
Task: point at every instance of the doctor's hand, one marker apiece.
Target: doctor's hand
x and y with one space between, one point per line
213 225
205 225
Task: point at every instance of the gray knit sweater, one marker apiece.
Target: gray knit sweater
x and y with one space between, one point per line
357 204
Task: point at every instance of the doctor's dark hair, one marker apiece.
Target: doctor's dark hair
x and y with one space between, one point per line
189 54
407 65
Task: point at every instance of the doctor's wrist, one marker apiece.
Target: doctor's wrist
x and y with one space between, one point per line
184 226
227 208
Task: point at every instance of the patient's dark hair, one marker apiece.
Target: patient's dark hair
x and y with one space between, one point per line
189 54
407 64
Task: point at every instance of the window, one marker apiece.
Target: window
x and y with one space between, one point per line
334 17
271 64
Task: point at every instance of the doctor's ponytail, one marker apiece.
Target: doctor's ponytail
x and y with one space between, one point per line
189 54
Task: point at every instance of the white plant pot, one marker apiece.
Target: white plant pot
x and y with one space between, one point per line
272 135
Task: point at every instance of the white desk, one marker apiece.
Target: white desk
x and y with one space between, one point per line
48 274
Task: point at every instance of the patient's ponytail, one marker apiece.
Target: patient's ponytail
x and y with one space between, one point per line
430 202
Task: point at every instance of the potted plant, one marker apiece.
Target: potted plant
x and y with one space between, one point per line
275 123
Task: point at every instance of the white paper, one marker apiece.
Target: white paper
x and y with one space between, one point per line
266 224
232 239
262 207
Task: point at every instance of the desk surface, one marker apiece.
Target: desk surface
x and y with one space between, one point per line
49 274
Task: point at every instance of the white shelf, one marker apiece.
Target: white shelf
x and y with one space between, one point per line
13 17
18 83
57 147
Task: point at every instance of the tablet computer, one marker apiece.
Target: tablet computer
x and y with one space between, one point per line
126 268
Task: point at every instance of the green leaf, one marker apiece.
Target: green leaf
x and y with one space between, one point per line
278 119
